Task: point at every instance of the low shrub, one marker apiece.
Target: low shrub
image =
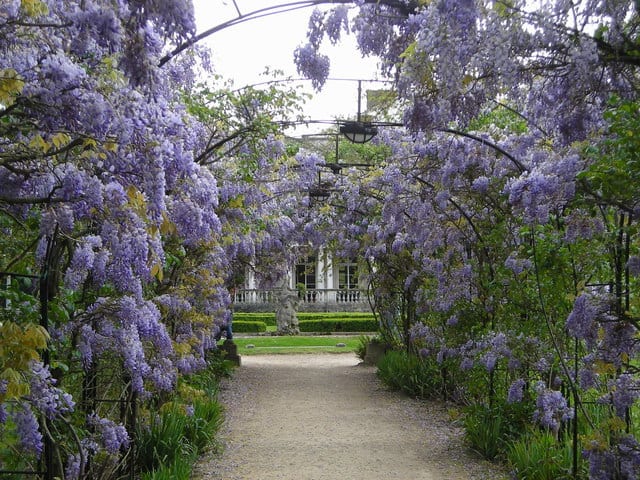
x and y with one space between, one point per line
334 315
537 455
245 326
339 325
268 318
410 374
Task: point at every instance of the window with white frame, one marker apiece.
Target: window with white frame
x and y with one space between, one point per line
348 276
306 273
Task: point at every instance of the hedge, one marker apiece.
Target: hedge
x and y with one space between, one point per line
334 315
267 318
270 317
339 325
243 326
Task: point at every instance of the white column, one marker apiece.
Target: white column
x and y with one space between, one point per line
330 273
249 279
321 271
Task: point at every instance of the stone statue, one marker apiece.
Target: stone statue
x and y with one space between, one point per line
286 310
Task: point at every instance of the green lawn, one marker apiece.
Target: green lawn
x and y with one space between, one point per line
296 344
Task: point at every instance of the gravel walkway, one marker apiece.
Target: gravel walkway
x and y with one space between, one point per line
315 416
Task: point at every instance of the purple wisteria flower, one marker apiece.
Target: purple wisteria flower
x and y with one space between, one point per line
489 361
495 346
113 437
9 9
480 184
517 265
516 391
28 429
551 408
580 226
621 461
72 471
164 374
312 65
542 365
581 322
81 262
44 396
619 341
430 342
624 392
588 378
336 21
452 321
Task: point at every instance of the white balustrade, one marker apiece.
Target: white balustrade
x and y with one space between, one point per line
316 295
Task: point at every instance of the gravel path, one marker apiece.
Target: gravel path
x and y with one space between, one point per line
312 417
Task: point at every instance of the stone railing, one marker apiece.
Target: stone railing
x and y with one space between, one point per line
312 299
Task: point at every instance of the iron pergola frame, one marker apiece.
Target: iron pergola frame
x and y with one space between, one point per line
404 8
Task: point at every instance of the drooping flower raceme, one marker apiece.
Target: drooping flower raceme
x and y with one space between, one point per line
312 64
551 408
516 391
113 437
28 429
581 322
44 396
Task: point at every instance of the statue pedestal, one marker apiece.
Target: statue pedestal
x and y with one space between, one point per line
375 351
230 350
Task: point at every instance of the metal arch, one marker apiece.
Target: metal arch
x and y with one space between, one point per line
405 8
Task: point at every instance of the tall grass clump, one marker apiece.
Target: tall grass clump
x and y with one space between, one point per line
169 442
491 429
162 442
410 374
181 469
361 348
538 455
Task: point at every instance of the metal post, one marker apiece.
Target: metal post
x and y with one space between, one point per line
44 323
575 412
132 418
359 98
44 298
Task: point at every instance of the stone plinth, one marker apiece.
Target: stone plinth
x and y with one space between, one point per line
230 350
375 351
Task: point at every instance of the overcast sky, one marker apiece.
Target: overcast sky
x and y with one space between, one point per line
243 51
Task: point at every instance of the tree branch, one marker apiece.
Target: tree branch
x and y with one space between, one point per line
488 143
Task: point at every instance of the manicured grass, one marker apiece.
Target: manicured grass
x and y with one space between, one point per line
296 344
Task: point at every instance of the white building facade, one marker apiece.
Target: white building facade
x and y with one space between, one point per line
324 284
